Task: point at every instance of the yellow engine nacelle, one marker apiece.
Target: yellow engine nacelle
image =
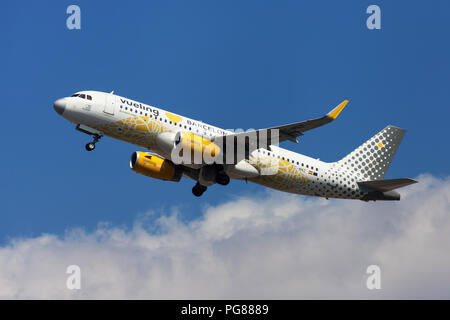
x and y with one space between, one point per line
198 144
155 167
182 144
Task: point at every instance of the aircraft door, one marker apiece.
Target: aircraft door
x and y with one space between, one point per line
110 104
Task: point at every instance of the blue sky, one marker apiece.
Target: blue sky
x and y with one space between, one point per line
234 64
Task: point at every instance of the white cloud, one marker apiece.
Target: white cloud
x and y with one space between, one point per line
270 246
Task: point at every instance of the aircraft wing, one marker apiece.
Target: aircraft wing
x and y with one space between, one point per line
263 138
292 131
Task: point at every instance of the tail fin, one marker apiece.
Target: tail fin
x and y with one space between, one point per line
371 160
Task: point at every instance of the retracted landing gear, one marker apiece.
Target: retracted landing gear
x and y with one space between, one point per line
91 145
198 189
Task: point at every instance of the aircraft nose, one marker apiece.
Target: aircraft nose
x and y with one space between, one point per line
59 106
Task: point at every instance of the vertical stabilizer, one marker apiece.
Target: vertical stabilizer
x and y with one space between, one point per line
371 160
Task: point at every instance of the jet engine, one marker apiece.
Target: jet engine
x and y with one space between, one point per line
155 167
187 148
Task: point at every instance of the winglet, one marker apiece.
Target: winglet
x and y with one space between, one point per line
335 112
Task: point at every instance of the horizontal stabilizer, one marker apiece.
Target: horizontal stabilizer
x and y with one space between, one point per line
386 185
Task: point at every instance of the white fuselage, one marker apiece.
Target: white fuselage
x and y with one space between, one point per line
140 124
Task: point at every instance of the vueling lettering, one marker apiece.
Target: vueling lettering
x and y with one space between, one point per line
140 106
188 121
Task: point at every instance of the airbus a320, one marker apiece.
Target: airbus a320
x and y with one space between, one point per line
359 175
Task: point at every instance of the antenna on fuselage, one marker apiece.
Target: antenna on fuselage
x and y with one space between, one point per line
111 92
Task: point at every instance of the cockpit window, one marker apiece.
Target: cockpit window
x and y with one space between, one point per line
82 96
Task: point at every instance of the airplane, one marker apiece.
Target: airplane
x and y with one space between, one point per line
359 175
